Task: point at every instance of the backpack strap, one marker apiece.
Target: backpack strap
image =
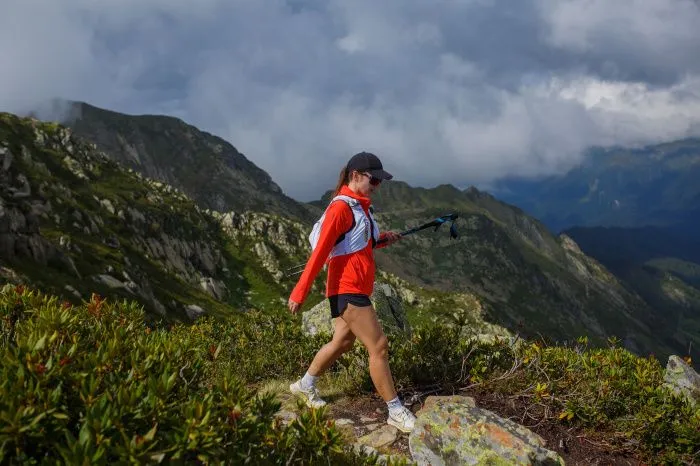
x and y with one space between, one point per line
351 203
371 232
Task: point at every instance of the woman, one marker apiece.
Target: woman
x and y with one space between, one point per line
349 235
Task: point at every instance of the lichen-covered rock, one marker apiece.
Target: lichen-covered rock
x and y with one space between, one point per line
682 379
452 431
317 320
389 308
390 313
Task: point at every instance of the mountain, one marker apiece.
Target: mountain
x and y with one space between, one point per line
651 186
73 221
77 221
659 264
205 167
637 212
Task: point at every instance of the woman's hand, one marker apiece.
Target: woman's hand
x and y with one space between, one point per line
293 306
392 237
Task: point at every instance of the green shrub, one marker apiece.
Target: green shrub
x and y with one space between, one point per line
92 384
609 390
95 384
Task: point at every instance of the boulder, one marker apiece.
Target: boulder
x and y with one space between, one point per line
193 311
386 301
453 431
389 306
682 379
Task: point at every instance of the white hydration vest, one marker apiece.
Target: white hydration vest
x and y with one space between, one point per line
363 230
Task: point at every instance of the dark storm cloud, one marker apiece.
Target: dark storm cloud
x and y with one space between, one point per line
444 91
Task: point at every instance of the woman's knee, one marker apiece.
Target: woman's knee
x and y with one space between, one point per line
380 347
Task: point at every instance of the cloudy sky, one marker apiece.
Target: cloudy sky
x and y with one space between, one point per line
444 91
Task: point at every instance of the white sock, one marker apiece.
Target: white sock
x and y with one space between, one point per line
308 381
394 405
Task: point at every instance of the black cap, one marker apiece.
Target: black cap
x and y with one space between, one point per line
366 162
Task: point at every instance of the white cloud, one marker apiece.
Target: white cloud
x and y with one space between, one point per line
445 92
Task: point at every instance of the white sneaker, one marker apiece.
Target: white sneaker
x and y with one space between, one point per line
404 420
310 395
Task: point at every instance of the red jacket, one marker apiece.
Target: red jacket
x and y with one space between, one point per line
351 273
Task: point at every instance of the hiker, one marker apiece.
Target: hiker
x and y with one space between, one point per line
348 234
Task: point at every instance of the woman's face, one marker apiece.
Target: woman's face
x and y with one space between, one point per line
363 183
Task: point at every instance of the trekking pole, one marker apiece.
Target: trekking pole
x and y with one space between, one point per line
437 223
434 223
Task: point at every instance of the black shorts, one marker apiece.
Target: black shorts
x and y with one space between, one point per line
340 301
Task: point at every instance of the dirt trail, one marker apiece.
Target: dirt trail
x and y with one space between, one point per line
357 416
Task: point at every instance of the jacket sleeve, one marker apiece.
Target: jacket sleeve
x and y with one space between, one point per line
338 220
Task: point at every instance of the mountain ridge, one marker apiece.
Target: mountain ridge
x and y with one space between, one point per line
648 186
206 167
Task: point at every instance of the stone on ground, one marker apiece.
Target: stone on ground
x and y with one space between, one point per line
452 431
382 437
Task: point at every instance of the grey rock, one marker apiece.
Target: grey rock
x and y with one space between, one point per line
682 379
72 291
107 204
6 158
344 422
193 311
382 437
214 287
110 281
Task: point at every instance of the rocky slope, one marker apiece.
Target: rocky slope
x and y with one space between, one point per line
73 221
205 167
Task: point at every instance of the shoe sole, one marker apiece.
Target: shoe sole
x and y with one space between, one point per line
306 400
398 426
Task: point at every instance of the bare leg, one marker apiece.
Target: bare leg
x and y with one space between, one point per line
362 322
342 341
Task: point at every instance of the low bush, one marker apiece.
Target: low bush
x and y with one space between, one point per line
609 390
92 384
95 384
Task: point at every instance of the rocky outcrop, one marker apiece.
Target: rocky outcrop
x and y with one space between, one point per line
67 208
20 218
682 379
273 239
453 431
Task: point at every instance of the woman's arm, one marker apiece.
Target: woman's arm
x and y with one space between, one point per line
338 220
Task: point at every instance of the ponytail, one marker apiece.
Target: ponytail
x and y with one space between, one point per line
342 180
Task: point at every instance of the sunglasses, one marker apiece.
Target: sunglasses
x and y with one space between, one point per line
372 180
